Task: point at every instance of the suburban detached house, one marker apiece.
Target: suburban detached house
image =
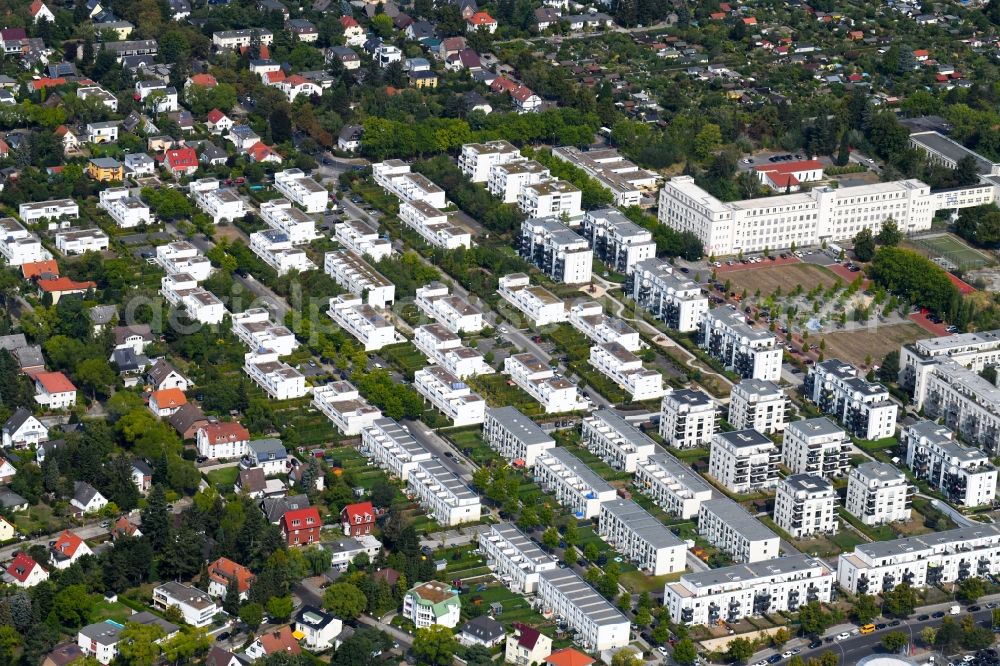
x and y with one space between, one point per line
63 655
181 161
223 572
165 402
23 430
54 390
100 640
319 629
482 630
124 528
24 571
7 473
7 530
196 607
87 499
301 527
136 337
218 122
268 454
67 549
273 642
222 440
358 518
164 376
252 482
142 475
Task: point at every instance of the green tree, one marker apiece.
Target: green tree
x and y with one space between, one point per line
864 245
73 605
661 633
590 552
280 608
685 652
626 657
780 637
434 646
252 614
970 589
344 600
865 609
949 636
708 139
813 619
137 644
156 519
894 641
928 635
900 601
740 650
889 235
571 555
10 641
550 538
231 602
643 617
189 643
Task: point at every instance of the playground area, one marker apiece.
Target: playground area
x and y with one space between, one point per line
951 253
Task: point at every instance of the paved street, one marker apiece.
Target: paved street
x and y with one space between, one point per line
434 443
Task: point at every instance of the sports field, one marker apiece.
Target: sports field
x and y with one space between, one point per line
953 250
768 278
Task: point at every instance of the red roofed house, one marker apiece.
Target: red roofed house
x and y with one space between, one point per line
39 12
67 549
25 572
218 122
204 80
296 85
525 99
279 640
70 140
222 572
46 82
222 440
527 645
273 77
921 55
181 161
482 22
358 519
125 528
166 401
717 16
787 176
750 20
54 390
301 526
568 657
354 34
502 84
40 269
61 286
263 153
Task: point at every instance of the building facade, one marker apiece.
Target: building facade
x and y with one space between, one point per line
878 493
806 505
759 405
816 446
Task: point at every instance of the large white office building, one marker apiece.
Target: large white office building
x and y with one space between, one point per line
343 405
282 215
863 407
672 485
540 305
744 461
476 159
965 401
451 311
302 189
357 276
515 560
616 240
597 624
626 181
550 198
878 493
728 526
732 593
615 440
688 418
450 395
644 540
443 347
255 328
917 360
963 474
752 353
625 369
673 299
759 405
816 446
556 250
806 505
434 225
573 483
362 321
540 381
514 436
444 496
588 317
360 239
506 181
391 447
278 379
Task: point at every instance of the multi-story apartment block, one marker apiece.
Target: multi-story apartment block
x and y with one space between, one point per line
744 461
196 607
816 446
182 291
126 210
878 493
54 209
575 486
556 250
514 436
598 624
395 177
759 405
932 559
728 526
360 239
433 603
688 418
219 203
183 257
275 249
550 198
302 189
344 406
744 590
357 276
625 369
391 447
476 159
450 395
451 311
280 214
964 474
673 299
445 497
917 360
540 305
255 328
514 558
672 485
752 353
362 321
78 241
626 181
617 241
615 440
278 379
506 181
965 401
233 39
540 381
863 407
644 540
18 246
443 347
434 225
806 505
588 317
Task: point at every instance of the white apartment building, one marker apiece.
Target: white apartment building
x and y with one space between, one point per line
744 590
540 305
968 403
183 257
98 93
126 210
598 625
343 405
78 241
396 178
255 328
550 198
806 505
508 180
688 418
445 497
182 291
878 493
556 250
938 558
278 379
974 351
672 485
964 474
644 540
450 395
358 277
391 447
759 405
554 392
744 461
816 446
221 440
625 369
617 241
476 159
302 189
434 225
626 181
221 204
280 214
362 321
728 526
515 560
233 39
54 209
671 298
863 407
451 311
588 317
615 440
360 239
443 347
574 485
749 352
514 436
275 248
433 603
18 246
196 607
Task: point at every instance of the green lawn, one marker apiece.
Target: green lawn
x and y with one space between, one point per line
637 582
223 479
470 442
406 357
116 611
498 391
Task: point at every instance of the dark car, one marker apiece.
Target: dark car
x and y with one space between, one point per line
880 626
938 615
224 636
895 623
815 644
923 618
774 659
973 609
201 459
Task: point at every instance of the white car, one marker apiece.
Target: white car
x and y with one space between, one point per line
843 636
787 654
762 662
662 650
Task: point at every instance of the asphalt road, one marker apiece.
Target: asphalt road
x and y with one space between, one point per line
439 447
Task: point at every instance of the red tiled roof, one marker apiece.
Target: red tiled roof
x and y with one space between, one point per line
170 397
36 7
55 382
46 82
568 657
362 510
34 269
224 570
280 640
522 93
921 52
275 76
791 167
481 18
307 517
182 158
348 22
64 284
21 567
259 151
215 116
67 543
206 80
124 528
502 84
222 433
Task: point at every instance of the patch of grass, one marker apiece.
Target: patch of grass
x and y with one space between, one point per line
105 610
223 479
498 391
637 582
406 357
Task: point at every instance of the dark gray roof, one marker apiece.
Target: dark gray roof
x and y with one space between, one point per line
128 361
519 425
268 449
483 628
10 499
314 617
29 357
160 370
185 417
102 314
275 507
147 618
12 342
16 420
83 492
252 480
142 466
